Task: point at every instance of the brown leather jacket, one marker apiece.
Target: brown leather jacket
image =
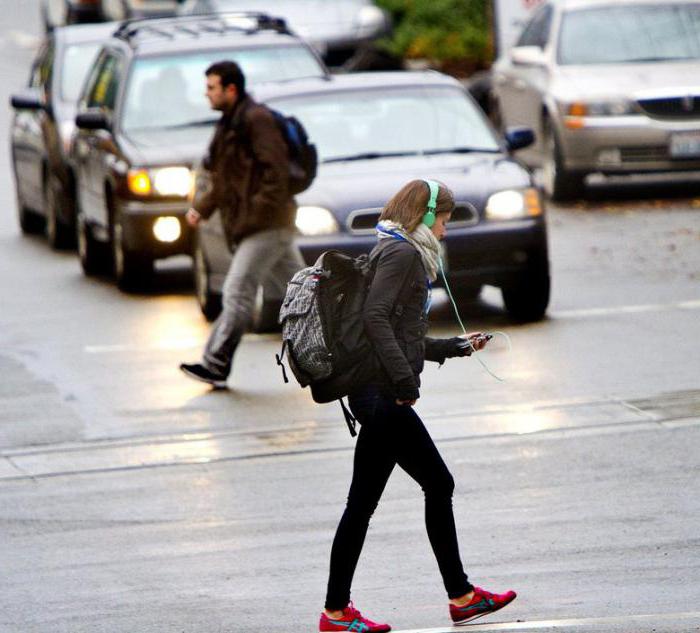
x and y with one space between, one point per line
249 164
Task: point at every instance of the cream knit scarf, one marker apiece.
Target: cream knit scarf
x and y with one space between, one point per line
422 239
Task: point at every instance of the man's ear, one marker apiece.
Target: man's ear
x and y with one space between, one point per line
231 92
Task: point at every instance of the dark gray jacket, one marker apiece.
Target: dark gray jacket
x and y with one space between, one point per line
396 322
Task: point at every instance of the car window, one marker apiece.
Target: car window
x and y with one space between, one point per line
77 62
42 71
630 33
536 33
399 120
179 81
103 92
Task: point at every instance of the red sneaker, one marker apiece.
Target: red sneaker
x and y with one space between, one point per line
482 603
351 621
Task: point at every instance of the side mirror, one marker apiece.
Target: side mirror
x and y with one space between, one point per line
92 120
30 99
528 56
519 138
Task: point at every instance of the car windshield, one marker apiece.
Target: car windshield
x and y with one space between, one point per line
166 92
367 124
77 62
630 33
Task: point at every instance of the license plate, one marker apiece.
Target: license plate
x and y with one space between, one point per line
685 145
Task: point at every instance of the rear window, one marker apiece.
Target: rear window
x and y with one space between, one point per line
630 33
168 91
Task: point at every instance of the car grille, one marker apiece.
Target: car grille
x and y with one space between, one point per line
363 221
687 107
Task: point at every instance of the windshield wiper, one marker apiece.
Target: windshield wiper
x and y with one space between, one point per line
460 150
367 156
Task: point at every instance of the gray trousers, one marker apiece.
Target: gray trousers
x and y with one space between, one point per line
268 259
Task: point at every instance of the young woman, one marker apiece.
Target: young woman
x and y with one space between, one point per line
395 318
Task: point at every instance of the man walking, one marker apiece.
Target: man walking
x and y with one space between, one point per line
249 164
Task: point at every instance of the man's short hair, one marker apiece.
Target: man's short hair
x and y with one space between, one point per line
229 73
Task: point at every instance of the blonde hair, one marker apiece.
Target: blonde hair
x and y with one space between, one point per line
408 206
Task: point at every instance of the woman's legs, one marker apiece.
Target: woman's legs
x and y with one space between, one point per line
373 464
417 454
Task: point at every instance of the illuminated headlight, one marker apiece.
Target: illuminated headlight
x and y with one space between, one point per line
620 107
167 229
369 20
166 181
172 181
315 221
512 204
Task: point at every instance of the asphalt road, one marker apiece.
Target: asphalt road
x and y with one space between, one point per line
132 499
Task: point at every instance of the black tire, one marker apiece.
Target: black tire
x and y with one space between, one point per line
58 234
527 298
266 314
91 253
132 270
30 223
560 184
208 300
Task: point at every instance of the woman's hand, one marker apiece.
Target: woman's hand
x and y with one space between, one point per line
477 340
410 403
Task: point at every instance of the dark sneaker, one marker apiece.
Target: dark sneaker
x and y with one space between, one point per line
352 620
201 373
481 604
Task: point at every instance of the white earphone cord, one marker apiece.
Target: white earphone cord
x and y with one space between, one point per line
459 320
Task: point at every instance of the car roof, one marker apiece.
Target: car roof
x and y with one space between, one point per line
84 33
204 32
354 81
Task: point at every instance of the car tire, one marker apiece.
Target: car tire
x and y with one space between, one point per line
131 270
208 300
266 314
30 223
58 234
560 184
91 253
526 299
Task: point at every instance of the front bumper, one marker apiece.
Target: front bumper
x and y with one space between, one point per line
491 252
138 219
625 144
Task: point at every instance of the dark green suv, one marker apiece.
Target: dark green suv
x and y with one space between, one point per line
144 122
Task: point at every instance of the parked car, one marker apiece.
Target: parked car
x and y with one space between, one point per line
43 126
143 122
376 131
337 29
609 87
62 12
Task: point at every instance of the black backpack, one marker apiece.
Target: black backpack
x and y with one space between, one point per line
303 158
322 329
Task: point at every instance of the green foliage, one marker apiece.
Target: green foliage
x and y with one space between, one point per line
443 31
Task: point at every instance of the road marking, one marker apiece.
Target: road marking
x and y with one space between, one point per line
559 624
630 309
23 39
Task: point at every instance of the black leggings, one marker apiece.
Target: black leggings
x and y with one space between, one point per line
390 435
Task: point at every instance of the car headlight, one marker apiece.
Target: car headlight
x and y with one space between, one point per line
513 204
617 107
370 20
166 181
315 221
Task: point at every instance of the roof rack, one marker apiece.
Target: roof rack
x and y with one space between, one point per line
201 24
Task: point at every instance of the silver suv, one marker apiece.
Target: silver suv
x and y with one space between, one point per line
609 86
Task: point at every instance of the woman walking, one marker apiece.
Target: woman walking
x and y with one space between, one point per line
395 320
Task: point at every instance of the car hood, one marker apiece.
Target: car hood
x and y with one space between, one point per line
349 186
156 148
625 80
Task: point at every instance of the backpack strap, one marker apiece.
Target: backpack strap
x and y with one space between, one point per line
350 419
279 357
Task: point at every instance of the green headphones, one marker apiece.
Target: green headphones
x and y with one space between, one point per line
429 217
